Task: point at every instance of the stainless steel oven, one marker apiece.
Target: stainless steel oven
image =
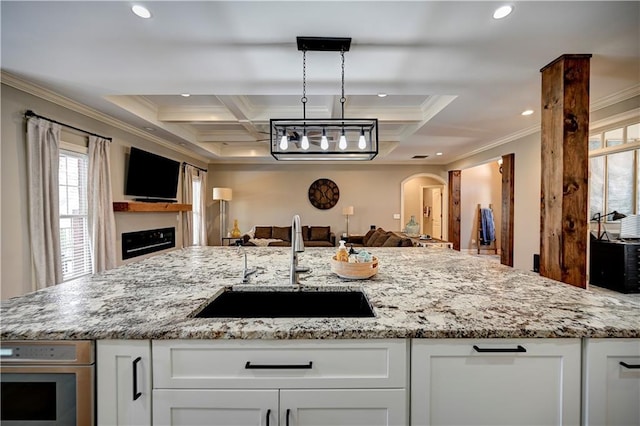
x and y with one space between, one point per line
47 383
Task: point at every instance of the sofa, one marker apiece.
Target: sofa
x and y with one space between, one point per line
280 236
379 238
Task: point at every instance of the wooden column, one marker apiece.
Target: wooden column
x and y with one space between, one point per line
565 165
506 226
454 208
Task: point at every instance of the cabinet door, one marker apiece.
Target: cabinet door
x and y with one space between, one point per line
612 382
220 407
495 382
344 407
124 382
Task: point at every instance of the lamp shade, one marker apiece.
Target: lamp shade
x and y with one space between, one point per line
347 211
225 194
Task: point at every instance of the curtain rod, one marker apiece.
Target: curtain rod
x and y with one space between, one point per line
30 113
184 163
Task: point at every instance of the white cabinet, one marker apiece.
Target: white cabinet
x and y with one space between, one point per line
123 382
495 382
288 382
345 407
263 407
219 407
612 382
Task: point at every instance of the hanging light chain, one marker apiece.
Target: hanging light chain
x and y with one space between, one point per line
342 99
304 84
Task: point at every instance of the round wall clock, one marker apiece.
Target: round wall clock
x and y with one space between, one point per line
324 194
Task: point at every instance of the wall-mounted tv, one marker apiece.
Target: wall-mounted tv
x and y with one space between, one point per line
151 177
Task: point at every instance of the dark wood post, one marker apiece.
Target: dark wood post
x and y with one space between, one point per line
454 208
565 170
506 229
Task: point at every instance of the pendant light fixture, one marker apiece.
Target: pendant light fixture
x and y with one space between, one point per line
317 139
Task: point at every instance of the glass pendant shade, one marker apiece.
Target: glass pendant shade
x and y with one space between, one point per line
343 141
362 143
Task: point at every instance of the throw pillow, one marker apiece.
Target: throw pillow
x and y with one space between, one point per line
381 239
263 232
373 237
319 233
305 233
366 237
392 241
281 233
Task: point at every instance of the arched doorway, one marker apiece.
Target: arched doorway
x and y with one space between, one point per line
417 193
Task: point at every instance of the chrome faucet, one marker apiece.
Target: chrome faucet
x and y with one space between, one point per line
246 272
297 246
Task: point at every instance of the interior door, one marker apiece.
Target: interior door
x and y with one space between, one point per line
436 213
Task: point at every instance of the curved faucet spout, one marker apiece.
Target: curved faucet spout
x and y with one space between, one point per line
297 246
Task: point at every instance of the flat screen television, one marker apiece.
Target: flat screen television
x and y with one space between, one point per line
151 177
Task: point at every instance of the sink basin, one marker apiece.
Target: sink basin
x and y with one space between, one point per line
288 304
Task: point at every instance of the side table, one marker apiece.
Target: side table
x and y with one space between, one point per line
231 241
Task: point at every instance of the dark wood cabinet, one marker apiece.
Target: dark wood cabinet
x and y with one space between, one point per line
615 265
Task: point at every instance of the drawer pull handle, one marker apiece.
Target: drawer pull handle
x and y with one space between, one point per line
250 366
136 394
268 415
500 350
633 366
287 419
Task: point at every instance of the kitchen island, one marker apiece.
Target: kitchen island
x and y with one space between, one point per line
417 293
450 330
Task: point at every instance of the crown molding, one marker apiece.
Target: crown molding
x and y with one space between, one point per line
509 138
64 102
615 98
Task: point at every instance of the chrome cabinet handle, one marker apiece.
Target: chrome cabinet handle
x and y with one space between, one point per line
250 366
500 350
136 394
630 366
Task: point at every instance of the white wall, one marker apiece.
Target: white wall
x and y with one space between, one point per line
479 185
272 194
16 272
526 227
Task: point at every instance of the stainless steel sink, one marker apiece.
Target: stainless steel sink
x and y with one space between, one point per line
288 304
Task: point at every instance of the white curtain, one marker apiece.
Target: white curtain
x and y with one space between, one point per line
188 173
43 151
102 228
202 210
194 226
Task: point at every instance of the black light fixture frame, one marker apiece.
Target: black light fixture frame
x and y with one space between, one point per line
295 128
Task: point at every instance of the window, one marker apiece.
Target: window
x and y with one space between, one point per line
615 171
74 220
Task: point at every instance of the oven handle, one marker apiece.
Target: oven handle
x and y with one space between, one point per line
136 394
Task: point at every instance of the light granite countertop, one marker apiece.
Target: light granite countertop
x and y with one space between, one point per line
418 293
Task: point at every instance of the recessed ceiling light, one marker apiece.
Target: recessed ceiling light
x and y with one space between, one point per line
141 11
186 95
150 129
502 11
382 95
438 153
527 112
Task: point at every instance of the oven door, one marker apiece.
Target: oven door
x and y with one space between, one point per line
46 395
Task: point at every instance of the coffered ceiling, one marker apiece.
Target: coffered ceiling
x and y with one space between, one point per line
456 79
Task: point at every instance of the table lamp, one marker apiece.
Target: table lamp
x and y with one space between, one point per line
347 211
598 216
